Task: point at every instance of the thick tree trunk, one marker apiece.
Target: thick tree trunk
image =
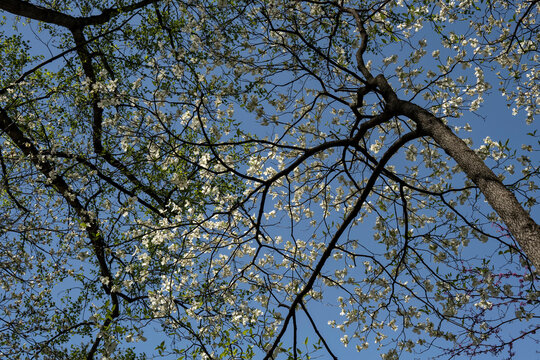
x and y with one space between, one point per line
520 224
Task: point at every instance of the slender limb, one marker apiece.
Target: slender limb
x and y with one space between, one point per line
317 331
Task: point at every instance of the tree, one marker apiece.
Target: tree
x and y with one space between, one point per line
219 168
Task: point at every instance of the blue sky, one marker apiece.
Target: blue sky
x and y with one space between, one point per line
499 124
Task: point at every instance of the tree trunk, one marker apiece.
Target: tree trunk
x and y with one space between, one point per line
520 224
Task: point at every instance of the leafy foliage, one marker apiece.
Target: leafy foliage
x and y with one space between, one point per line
216 170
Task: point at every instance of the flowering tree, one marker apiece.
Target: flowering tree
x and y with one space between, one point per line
216 170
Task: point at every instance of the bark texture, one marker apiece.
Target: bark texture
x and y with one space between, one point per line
519 222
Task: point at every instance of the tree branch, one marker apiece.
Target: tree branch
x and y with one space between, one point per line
525 230
36 12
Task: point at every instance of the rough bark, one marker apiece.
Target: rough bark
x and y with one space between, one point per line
519 222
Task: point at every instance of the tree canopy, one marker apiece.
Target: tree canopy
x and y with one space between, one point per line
219 171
